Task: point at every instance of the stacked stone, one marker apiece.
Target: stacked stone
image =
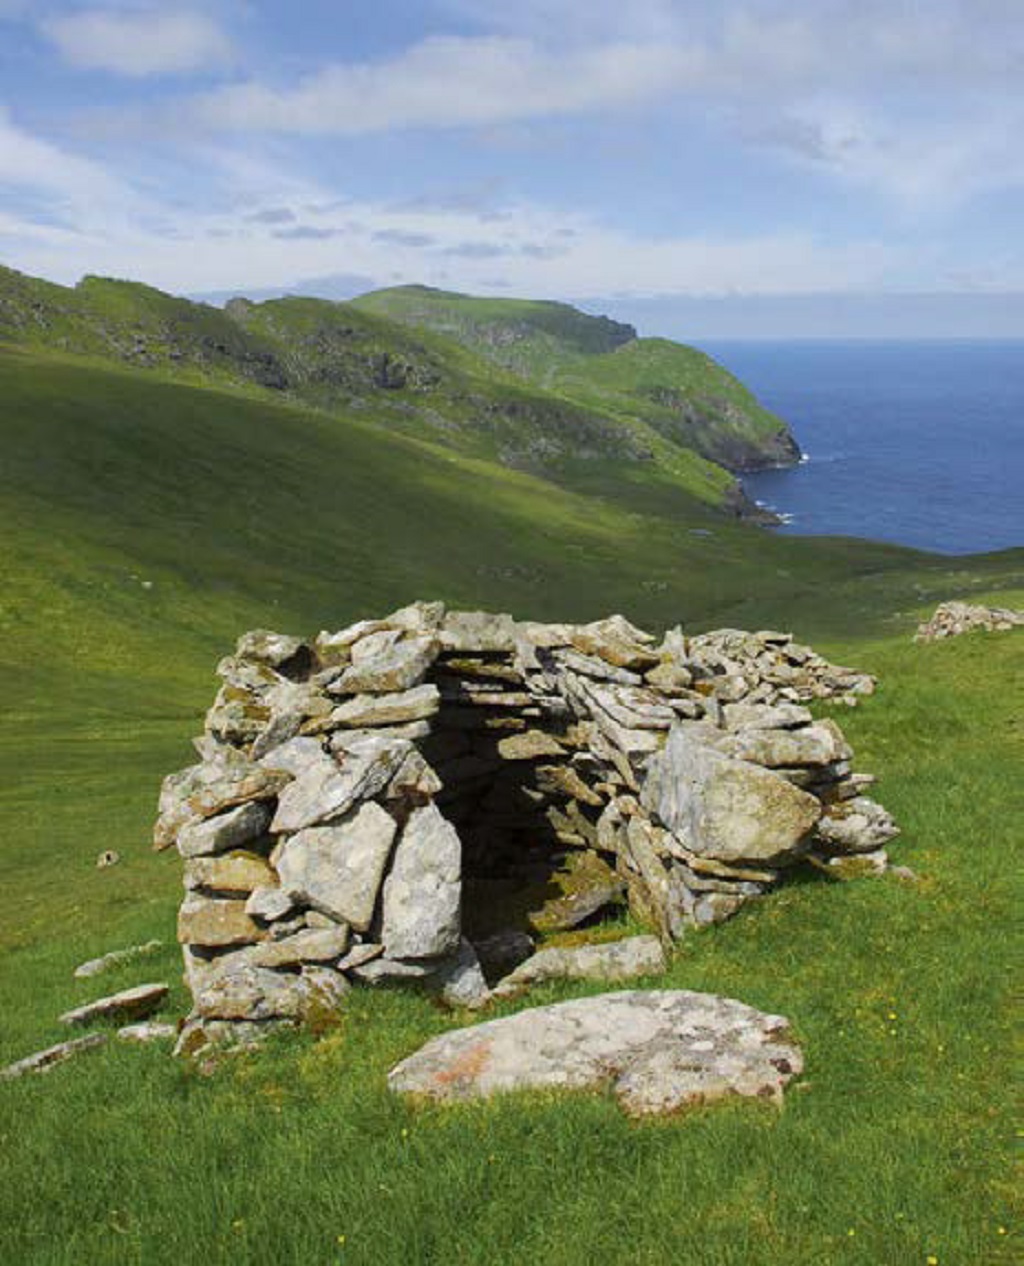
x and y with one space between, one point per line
953 618
349 784
767 667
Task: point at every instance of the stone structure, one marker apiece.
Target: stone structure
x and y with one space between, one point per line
408 798
953 618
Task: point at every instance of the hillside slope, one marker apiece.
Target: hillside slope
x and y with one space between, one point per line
342 357
678 390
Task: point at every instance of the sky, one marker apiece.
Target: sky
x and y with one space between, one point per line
744 167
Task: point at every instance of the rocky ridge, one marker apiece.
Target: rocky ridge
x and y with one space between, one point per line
360 794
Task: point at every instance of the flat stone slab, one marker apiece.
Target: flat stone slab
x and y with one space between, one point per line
661 1051
116 958
129 1004
615 960
43 1061
148 1031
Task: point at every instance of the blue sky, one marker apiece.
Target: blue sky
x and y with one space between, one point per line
716 151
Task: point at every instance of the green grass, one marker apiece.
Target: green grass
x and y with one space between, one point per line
241 512
345 358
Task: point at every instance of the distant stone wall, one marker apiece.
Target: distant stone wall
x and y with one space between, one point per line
369 804
953 618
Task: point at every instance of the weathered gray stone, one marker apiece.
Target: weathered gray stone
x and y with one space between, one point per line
725 808
235 786
213 923
590 666
849 866
669 677
614 960
716 907
415 781
202 1041
397 668
235 872
460 982
230 830
859 825
337 869
258 993
147 1032
313 945
423 891
359 955
417 617
617 642
662 1051
820 744
236 716
270 904
396 709
763 716
264 647
391 971
474 631
43 1061
116 958
294 755
329 788
334 649
248 675
129 1004
374 645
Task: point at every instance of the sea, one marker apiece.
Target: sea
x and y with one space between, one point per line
916 443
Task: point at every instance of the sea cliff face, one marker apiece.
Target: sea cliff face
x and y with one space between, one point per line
678 390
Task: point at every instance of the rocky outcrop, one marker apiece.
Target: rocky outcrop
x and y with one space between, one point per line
953 618
371 803
660 1051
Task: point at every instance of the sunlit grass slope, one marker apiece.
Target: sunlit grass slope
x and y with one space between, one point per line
145 523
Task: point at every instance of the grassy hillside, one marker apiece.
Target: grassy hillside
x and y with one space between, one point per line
680 392
341 358
146 521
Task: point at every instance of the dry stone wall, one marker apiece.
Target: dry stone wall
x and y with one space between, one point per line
369 805
953 618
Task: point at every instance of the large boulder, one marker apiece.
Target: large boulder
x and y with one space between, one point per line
660 1051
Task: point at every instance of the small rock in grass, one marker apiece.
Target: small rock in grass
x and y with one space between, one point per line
115 958
149 1031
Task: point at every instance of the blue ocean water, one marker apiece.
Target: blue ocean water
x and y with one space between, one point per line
918 443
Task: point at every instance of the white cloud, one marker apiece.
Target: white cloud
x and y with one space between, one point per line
448 82
922 109
138 44
29 162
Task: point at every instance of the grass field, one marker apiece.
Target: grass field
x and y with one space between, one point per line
145 525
